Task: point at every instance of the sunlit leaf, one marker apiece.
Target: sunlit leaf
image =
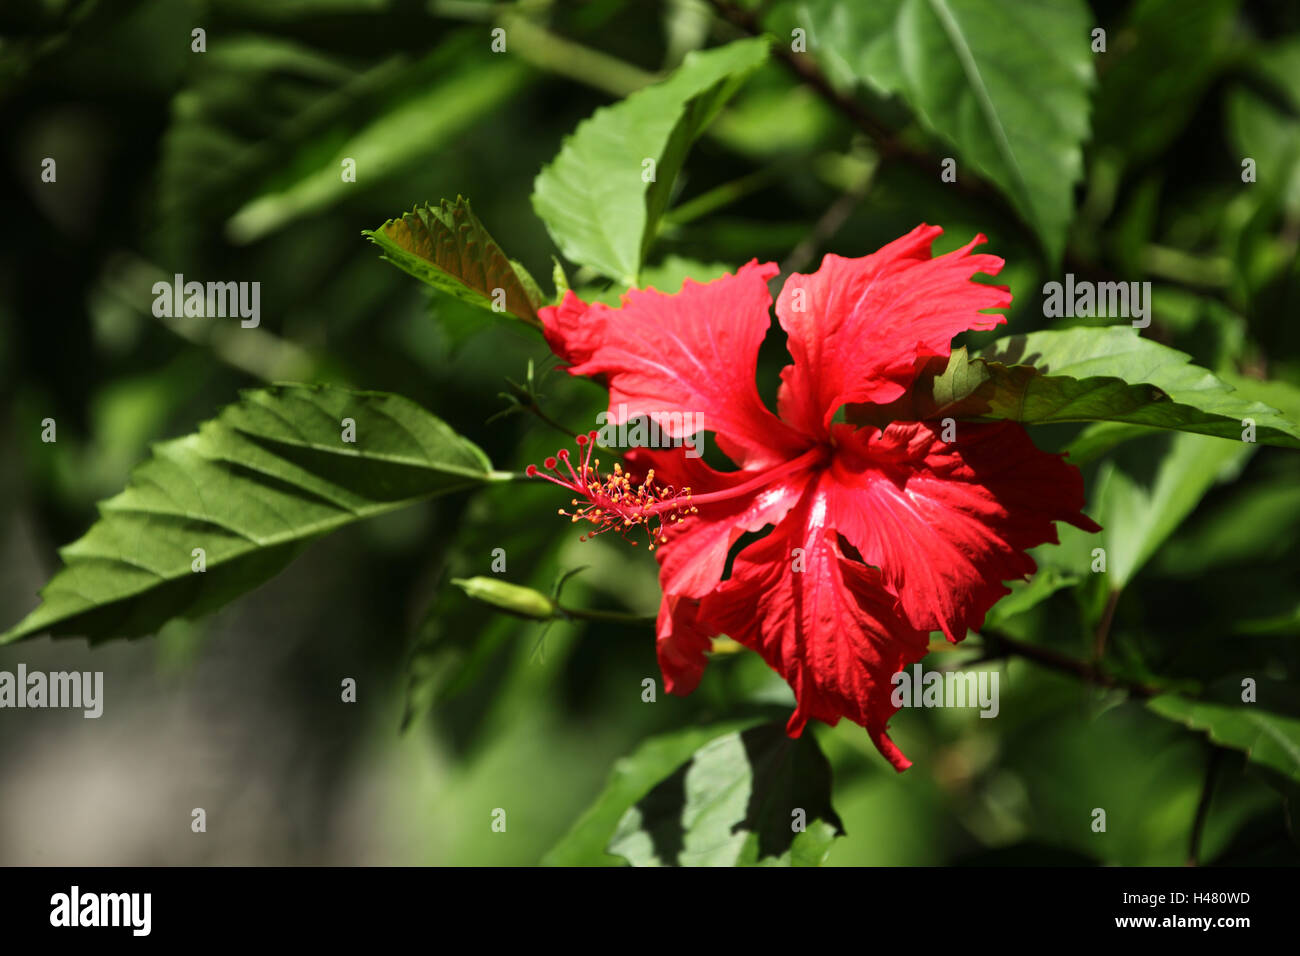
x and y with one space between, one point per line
1088 375
1267 738
214 514
752 797
447 247
603 195
1005 81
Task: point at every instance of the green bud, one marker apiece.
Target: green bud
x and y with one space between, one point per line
511 598
560 279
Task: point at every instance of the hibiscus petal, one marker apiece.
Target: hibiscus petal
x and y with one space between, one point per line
681 644
694 353
859 329
821 620
946 523
570 331
695 555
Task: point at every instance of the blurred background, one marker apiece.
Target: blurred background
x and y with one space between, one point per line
224 165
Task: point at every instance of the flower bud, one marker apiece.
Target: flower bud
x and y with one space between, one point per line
511 598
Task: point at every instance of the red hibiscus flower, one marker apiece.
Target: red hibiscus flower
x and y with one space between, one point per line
878 536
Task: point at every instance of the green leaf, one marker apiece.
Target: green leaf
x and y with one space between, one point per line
1025 596
1100 437
668 276
630 780
594 197
1005 81
1257 525
1138 510
447 247
739 801
250 488
409 112
1086 375
1266 738
259 131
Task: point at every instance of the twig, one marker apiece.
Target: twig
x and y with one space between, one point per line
553 53
613 617
836 214
1002 644
1103 627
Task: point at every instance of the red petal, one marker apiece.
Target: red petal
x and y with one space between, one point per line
694 352
695 555
947 523
681 644
570 332
866 325
831 629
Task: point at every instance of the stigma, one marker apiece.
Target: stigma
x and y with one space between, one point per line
614 502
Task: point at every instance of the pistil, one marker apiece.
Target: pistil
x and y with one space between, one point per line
614 502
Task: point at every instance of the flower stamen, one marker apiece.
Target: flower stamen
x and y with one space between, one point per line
613 502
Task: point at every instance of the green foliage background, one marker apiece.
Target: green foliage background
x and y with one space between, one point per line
1123 165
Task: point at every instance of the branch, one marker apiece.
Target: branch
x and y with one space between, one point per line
830 222
1003 645
612 617
1103 627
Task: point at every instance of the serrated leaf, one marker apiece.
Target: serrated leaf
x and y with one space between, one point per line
1086 375
594 196
1005 81
250 488
448 248
1267 738
739 801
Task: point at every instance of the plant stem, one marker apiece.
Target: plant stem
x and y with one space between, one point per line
836 214
1103 627
613 617
554 54
1184 268
727 193
560 427
1003 645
